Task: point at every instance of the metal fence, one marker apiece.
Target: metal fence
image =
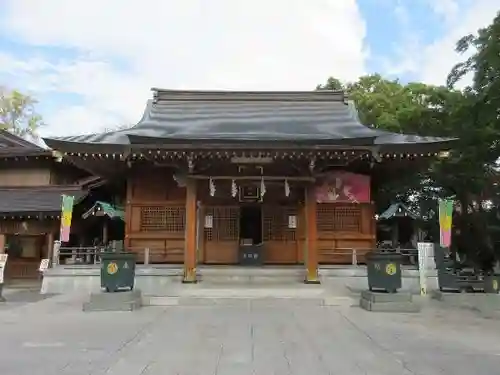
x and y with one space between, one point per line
79 255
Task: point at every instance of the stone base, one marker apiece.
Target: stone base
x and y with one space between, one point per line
119 301
155 279
388 302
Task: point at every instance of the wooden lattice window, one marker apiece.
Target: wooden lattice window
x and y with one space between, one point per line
225 224
338 218
276 224
163 218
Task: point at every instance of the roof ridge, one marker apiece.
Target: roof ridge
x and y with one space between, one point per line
233 95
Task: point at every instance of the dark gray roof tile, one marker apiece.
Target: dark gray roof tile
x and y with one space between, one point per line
35 200
229 116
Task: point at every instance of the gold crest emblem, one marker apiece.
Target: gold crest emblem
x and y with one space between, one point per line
390 269
112 268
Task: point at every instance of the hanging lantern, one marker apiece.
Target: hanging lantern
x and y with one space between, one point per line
262 188
234 189
211 185
287 189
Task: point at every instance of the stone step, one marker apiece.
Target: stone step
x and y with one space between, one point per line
245 280
209 293
202 301
251 275
249 291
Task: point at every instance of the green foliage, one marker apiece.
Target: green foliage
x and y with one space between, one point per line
331 84
17 113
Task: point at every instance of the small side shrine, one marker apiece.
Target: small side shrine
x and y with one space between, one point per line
398 228
109 218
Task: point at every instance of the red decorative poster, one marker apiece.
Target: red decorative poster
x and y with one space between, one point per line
344 187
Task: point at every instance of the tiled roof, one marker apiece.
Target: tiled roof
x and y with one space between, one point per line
323 116
12 146
35 200
7 139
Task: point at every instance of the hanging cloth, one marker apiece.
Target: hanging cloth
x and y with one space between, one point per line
211 186
234 189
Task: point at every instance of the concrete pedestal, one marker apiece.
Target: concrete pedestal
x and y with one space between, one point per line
119 301
388 302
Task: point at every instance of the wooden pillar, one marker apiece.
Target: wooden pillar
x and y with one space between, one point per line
50 245
128 213
190 239
105 232
2 243
311 237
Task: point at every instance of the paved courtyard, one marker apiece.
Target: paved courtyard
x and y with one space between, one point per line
53 336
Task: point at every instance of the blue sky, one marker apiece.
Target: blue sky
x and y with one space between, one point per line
91 64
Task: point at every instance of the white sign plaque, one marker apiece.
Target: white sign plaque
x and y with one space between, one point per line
292 221
425 251
209 221
3 262
44 264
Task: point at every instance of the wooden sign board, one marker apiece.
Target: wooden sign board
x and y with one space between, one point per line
250 193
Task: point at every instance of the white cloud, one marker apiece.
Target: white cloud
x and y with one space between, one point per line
439 57
431 63
448 10
125 47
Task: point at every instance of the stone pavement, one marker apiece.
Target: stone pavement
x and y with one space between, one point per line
260 336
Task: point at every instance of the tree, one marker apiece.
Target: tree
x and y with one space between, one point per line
417 108
331 84
484 117
17 113
413 108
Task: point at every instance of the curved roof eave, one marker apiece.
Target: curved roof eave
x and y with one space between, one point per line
82 147
413 143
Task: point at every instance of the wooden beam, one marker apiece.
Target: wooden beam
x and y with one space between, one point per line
311 237
190 239
256 178
2 243
50 245
128 210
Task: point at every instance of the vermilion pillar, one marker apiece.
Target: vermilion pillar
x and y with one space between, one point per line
311 237
190 240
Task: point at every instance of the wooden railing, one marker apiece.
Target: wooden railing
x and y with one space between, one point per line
146 256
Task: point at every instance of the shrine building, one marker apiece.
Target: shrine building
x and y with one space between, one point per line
225 177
